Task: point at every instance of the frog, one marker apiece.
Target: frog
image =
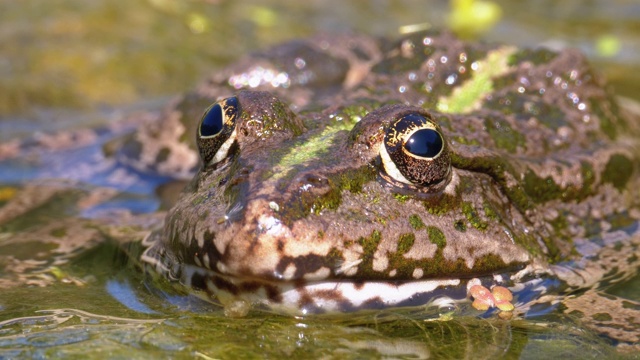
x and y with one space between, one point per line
445 166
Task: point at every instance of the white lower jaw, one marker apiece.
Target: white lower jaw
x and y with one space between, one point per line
329 296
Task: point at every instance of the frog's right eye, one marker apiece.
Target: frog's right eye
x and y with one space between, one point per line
415 155
217 131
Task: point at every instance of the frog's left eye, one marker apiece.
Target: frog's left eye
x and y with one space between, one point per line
217 130
414 154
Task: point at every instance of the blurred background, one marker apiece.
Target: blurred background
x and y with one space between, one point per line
69 61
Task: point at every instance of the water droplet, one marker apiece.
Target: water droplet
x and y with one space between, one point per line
300 63
451 79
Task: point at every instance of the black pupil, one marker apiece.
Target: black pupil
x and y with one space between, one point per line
425 143
212 121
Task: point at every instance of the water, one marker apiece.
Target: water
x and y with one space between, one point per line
72 63
67 320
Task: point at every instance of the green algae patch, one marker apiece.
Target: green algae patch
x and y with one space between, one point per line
402 198
601 317
441 205
489 211
473 217
436 236
308 202
472 92
416 222
348 116
372 243
464 140
405 242
610 123
540 189
334 258
460 225
560 226
618 171
351 180
307 150
369 247
433 267
535 56
503 135
588 178
522 107
58 232
438 266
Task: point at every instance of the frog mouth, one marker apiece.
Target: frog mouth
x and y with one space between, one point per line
301 295
330 296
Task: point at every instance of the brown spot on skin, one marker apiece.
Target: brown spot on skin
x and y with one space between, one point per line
305 301
601 317
273 293
163 155
249 286
358 285
373 303
208 248
198 282
303 264
224 285
577 313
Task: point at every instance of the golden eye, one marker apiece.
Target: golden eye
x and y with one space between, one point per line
415 154
217 130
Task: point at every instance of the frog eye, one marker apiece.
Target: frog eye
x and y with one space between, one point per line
415 154
217 130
